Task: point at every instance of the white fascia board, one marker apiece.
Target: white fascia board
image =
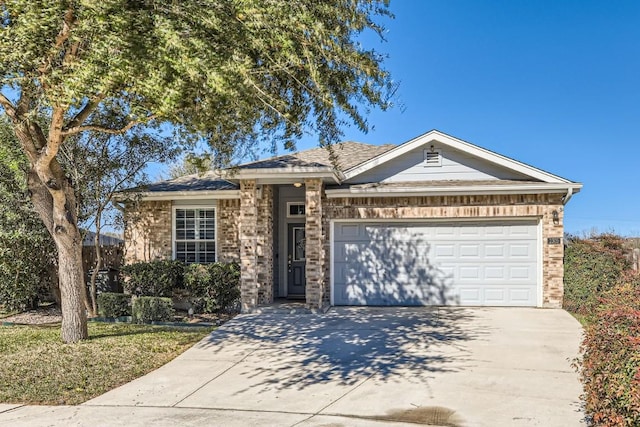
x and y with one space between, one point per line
457 144
282 173
480 190
181 195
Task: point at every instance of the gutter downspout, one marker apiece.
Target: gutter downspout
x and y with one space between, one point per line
567 196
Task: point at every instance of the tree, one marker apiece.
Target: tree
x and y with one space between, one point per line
101 165
234 72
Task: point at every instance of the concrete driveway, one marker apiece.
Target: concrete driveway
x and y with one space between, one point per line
355 367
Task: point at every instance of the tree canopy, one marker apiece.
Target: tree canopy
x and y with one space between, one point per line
234 73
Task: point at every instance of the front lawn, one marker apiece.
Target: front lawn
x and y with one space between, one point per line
37 368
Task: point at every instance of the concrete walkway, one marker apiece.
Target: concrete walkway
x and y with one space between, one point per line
354 367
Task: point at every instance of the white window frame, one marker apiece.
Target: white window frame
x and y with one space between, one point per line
289 215
194 207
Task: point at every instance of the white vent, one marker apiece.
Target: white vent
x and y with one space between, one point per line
432 157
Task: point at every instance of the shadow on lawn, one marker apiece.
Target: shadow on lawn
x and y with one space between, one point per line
346 345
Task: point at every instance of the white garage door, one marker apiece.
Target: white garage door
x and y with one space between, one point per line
466 263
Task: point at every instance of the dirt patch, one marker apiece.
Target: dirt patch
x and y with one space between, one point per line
424 415
40 316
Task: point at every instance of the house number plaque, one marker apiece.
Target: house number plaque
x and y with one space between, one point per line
554 240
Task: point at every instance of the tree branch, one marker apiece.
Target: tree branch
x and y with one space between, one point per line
84 113
8 106
102 129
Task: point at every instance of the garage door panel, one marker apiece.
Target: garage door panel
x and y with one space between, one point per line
480 263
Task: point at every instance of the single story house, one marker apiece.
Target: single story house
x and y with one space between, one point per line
433 221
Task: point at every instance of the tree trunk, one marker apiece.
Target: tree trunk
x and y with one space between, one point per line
72 288
56 208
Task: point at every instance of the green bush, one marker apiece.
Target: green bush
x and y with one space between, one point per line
152 309
111 304
591 267
610 365
213 287
153 279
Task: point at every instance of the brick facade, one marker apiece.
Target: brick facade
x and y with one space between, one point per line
264 245
228 212
465 207
245 232
315 235
248 245
147 232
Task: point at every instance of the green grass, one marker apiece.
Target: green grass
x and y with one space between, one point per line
37 368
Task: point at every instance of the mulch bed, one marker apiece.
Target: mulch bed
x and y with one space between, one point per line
52 315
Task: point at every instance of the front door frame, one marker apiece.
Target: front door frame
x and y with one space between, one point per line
293 263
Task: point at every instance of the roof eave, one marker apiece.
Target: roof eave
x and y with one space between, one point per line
179 195
483 190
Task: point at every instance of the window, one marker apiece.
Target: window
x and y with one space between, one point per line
195 235
295 209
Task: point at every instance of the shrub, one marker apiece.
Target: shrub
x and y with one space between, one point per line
213 287
111 304
153 279
591 267
152 309
610 366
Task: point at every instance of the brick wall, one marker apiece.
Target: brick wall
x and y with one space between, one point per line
228 213
147 232
463 207
314 253
264 245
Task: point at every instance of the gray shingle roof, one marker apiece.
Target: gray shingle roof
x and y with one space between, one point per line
349 154
196 182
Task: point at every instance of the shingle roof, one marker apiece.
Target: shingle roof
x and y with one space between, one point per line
196 182
349 154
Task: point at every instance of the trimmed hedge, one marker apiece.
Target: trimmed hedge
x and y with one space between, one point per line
152 309
153 279
610 365
591 268
111 304
213 287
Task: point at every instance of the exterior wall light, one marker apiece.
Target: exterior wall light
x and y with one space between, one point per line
556 217
297 184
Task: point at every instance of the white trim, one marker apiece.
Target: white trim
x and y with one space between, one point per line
457 144
510 219
540 255
288 214
173 225
396 191
331 260
279 173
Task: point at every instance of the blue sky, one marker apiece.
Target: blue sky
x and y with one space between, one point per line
555 84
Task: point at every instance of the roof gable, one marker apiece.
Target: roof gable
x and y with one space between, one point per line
460 161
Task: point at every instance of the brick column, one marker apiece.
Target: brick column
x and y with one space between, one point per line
248 245
314 252
265 245
553 257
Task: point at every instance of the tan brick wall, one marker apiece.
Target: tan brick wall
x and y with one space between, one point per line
264 245
228 213
315 237
147 232
248 245
464 207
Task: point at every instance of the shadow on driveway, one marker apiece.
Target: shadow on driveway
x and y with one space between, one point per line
344 346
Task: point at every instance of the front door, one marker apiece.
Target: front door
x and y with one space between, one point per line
296 260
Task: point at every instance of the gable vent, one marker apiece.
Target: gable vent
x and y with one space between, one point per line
432 157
